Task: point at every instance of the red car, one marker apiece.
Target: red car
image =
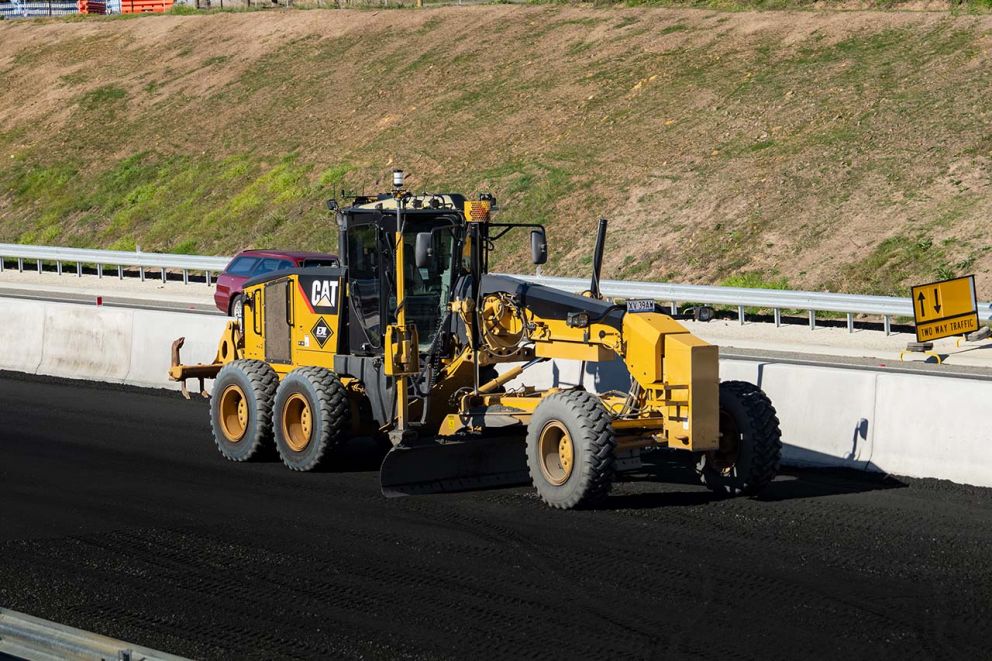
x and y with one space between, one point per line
251 263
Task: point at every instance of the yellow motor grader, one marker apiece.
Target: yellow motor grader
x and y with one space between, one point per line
402 342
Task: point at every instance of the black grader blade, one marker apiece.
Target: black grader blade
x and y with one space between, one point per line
435 466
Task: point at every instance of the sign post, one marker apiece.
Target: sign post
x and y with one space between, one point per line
945 308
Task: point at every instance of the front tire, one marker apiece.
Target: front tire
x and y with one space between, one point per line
570 450
241 409
750 443
312 417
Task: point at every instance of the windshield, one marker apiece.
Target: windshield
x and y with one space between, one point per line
371 264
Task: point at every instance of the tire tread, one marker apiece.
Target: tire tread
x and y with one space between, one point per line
264 381
594 418
334 409
766 441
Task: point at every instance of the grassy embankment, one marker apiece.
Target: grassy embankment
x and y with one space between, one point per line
839 150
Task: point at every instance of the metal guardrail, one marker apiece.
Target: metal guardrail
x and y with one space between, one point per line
26 637
119 258
777 300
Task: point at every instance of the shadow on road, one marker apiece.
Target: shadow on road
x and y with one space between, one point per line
357 455
791 484
668 468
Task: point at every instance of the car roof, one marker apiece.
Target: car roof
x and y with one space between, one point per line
288 254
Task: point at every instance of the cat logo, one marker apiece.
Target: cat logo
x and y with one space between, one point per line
321 332
324 293
321 292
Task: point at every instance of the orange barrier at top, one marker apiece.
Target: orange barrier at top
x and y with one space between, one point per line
92 6
145 6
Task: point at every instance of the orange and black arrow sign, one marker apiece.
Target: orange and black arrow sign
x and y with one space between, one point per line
945 308
923 299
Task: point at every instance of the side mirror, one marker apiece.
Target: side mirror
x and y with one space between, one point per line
538 247
332 205
424 250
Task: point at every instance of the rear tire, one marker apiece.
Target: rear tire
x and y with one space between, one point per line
241 409
570 450
750 443
312 416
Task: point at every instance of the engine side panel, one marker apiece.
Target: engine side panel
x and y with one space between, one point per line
293 318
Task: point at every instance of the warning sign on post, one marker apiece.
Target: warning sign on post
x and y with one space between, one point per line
945 308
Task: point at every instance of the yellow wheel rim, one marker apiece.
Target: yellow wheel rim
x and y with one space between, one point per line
297 422
233 413
556 453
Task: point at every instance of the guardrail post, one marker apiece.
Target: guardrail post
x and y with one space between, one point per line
39 265
185 276
58 267
850 322
99 270
163 275
887 324
120 272
673 308
79 270
208 277
1 264
778 317
812 320
740 314
141 273
20 265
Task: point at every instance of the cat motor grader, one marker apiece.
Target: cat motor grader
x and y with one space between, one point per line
402 340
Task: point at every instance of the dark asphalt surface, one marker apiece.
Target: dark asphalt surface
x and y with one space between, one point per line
117 515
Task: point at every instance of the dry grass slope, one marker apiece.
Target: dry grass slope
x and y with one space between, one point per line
841 150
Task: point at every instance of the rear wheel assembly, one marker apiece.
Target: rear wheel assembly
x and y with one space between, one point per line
750 443
570 450
312 416
241 409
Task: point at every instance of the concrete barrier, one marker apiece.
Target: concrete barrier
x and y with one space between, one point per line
116 345
86 342
152 340
906 424
934 427
826 414
22 335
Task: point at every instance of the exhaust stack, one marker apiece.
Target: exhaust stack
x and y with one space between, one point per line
597 259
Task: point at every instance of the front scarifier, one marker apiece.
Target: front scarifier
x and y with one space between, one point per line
411 341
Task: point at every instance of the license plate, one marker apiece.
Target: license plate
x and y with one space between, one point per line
640 305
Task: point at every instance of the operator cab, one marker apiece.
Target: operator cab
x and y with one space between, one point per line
368 250
446 244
